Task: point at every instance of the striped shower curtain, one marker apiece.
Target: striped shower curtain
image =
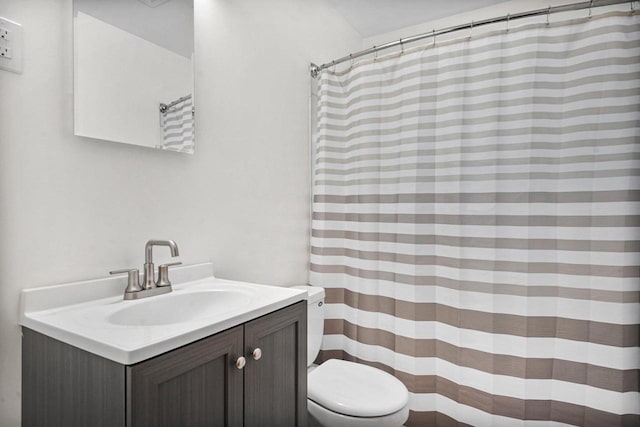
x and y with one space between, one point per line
476 223
177 127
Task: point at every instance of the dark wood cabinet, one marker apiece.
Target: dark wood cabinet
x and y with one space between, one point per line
275 386
65 386
195 385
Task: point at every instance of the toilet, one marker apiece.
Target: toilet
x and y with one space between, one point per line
347 394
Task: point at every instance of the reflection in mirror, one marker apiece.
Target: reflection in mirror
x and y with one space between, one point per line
133 72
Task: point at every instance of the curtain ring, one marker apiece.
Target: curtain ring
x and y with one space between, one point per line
401 47
590 6
375 54
508 18
434 38
351 62
548 13
471 29
333 66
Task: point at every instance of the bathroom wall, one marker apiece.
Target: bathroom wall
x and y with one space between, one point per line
72 208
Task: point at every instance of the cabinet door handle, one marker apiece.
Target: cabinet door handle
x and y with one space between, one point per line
241 362
257 354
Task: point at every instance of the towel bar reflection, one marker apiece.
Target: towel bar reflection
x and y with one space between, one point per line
165 107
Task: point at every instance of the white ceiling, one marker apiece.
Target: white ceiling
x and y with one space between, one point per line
372 17
169 25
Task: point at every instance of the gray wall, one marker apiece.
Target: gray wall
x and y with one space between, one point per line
72 208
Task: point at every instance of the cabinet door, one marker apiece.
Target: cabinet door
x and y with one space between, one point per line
195 385
275 386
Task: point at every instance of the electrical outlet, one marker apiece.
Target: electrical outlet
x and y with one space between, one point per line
6 51
10 46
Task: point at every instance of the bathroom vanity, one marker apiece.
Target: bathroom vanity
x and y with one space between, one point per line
184 361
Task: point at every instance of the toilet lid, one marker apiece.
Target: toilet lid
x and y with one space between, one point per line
354 389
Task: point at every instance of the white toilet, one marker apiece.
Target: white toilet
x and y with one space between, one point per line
347 394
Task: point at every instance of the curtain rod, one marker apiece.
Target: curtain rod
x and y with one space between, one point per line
165 107
316 69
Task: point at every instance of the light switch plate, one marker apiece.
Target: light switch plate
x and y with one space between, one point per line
10 45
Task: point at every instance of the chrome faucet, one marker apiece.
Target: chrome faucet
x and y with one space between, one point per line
150 286
149 281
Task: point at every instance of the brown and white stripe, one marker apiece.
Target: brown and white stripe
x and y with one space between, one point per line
476 223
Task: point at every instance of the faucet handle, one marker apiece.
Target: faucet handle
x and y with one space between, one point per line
125 270
133 283
171 264
163 274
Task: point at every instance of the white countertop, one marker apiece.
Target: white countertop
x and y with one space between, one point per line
78 313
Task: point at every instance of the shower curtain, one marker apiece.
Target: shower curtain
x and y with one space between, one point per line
476 223
177 127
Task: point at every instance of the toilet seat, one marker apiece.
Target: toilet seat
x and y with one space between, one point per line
322 417
356 390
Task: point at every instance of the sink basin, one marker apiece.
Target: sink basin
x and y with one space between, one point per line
179 307
93 316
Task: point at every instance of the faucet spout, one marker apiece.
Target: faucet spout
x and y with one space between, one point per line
149 271
148 249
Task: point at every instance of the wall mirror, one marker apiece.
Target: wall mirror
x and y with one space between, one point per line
133 72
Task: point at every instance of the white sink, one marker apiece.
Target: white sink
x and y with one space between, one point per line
93 316
180 307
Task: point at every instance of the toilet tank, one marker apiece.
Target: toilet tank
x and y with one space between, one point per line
315 320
